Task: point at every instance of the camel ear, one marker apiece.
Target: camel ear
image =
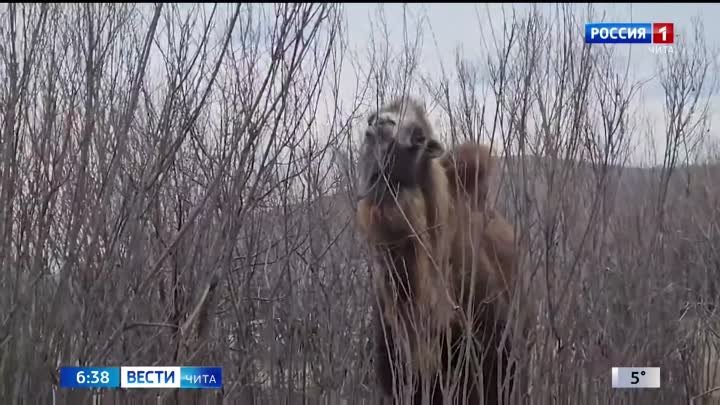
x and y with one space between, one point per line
434 149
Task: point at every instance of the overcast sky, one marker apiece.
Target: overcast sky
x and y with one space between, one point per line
456 25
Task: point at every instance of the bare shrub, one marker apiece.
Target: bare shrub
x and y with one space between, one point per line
176 189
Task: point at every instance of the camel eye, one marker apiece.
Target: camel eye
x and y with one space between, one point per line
383 121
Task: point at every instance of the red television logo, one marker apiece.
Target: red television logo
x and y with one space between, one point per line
663 33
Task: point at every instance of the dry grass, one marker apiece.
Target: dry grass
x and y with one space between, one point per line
151 156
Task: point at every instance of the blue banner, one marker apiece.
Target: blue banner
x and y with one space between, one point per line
141 377
618 33
201 377
89 377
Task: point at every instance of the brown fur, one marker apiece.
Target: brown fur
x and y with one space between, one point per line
468 168
445 261
484 256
